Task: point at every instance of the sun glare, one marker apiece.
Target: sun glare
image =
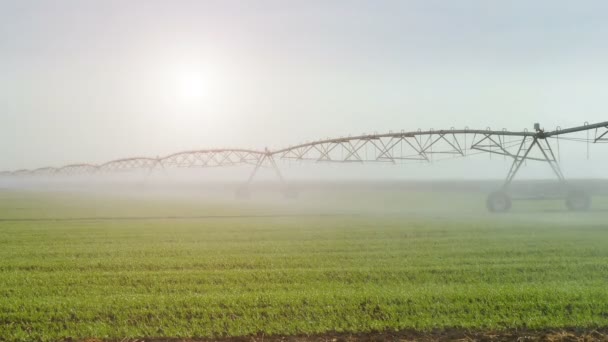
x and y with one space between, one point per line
194 83
190 86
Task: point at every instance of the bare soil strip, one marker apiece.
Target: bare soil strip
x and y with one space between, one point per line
566 335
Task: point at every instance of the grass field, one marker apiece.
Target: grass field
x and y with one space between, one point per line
109 267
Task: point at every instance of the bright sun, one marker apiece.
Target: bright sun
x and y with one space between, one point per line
190 86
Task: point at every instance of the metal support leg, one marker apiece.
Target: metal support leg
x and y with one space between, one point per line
548 157
267 157
153 168
256 168
518 161
288 191
276 168
551 159
243 190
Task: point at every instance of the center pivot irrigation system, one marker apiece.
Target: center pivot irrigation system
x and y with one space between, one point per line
392 147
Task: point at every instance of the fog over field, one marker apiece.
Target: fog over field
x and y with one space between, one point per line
458 199
303 170
99 80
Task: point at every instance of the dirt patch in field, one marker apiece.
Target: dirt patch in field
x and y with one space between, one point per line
571 335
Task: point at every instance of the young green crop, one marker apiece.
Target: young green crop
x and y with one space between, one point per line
105 276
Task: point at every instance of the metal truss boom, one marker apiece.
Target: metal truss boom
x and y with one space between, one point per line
392 147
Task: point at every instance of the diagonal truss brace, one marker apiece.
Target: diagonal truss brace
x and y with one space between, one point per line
496 145
601 135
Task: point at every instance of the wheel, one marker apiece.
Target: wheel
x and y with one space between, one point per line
578 200
242 193
498 202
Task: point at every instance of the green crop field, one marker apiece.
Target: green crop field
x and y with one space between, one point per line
112 267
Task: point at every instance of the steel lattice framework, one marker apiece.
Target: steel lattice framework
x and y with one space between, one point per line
392 147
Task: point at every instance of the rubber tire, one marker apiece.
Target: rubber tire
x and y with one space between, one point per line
578 200
498 202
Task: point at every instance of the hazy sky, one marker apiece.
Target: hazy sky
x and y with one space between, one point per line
98 80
